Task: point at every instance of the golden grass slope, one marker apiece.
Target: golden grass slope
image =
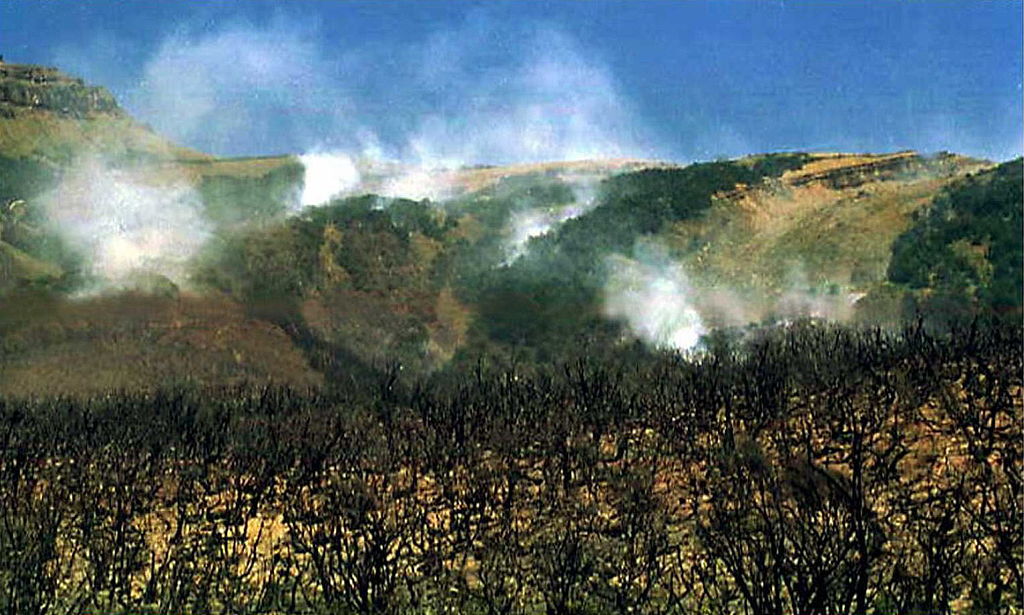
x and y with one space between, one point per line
831 222
42 135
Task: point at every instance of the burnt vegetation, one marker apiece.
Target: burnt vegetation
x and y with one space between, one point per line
805 469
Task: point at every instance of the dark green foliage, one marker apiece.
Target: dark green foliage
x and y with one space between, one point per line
284 260
23 178
540 314
493 209
232 200
364 263
400 217
258 266
774 165
970 242
493 205
418 217
550 298
639 203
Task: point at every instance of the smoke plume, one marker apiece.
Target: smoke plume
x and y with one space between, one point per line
526 224
245 90
419 182
552 99
653 296
125 225
326 175
444 102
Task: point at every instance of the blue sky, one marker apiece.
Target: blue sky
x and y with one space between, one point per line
500 82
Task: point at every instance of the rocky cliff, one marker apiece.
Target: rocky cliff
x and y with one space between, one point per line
52 118
839 171
26 86
845 171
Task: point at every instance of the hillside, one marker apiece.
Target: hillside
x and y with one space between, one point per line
50 117
49 122
524 264
525 260
52 124
965 247
136 342
818 234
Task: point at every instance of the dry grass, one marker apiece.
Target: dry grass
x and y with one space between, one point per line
473 179
771 236
40 134
233 167
936 456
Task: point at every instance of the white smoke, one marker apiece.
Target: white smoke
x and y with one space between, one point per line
445 101
653 296
525 225
801 298
325 176
552 99
126 225
244 89
448 100
548 99
419 183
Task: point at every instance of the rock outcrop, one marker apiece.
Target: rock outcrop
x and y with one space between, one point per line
852 171
51 118
843 171
27 87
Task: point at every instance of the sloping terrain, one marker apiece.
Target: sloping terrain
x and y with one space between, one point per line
965 247
48 116
825 228
140 342
837 225
53 344
50 121
523 260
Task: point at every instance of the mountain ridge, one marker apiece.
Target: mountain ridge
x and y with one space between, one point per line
29 86
51 117
480 259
